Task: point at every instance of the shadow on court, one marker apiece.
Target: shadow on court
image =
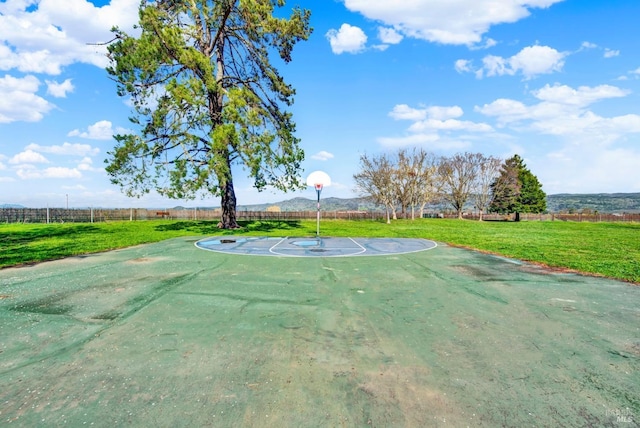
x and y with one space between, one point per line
170 335
209 227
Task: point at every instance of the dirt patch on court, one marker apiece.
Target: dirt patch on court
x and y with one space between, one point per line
146 260
407 389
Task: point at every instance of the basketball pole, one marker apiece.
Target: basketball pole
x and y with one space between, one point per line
318 179
318 190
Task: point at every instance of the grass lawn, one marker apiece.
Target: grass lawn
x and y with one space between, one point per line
607 249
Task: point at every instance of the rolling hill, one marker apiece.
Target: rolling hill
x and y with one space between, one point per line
600 202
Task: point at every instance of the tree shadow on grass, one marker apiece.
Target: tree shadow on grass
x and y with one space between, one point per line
17 238
26 247
197 227
211 227
270 225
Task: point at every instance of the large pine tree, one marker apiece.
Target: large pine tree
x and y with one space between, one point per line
517 190
206 97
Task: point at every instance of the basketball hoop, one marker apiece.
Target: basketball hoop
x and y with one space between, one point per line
318 179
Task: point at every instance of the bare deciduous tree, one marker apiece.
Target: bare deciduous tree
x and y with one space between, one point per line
405 180
413 178
376 180
458 176
416 176
429 181
487 173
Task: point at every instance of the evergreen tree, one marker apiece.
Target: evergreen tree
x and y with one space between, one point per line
517 190
205 98
532 198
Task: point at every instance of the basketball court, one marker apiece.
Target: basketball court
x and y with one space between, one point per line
318 334
314 247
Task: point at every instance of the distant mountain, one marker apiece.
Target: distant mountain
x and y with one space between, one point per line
562 202
327 204
565 202
601 202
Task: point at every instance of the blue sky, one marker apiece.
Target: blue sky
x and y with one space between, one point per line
555 81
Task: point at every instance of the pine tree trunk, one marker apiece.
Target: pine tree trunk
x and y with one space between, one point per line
228 204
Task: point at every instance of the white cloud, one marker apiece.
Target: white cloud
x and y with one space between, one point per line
102 130
323 156
583 96
563 112
444 113
389 36
18 99
534 60
66 149
44 36
505 110
530 62
463 65
488 43
86 164
79 187
53 172
59 90
610 53
449 125
47 35
381 48
347 39
441 21
27 157
433 126
608 168
633 74
404 112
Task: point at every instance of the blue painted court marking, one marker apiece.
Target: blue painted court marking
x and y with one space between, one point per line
314 247
314 243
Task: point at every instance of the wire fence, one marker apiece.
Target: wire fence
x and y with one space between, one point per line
91 215
591 218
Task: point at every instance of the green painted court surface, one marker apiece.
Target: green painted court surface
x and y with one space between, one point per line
170 335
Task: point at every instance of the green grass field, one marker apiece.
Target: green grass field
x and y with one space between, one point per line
608 249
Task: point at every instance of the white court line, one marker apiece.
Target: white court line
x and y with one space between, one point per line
283 251
278 243
364 250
